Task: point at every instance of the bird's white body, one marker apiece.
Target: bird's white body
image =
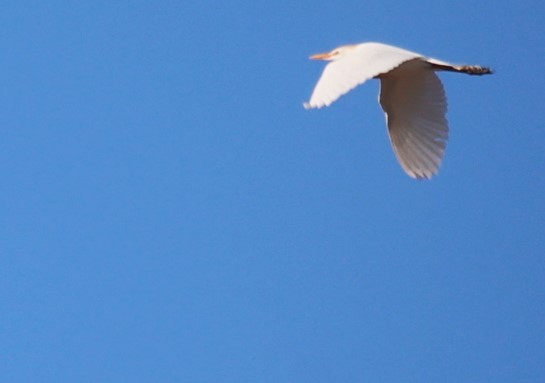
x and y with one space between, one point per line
411 96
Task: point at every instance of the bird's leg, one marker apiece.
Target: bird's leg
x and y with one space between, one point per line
474 69
469 69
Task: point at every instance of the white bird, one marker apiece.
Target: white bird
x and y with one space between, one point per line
411 95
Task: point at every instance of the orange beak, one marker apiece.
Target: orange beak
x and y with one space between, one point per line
320 56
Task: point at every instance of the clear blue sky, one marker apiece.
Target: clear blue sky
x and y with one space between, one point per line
171 213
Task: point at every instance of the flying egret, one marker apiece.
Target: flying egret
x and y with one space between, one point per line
411 95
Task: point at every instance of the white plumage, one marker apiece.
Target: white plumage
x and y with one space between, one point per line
411 96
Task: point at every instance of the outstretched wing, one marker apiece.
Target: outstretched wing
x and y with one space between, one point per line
415 104
366 61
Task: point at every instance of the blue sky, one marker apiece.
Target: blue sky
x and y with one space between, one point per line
171 213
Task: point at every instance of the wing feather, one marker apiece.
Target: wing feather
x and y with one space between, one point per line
367 61
413 98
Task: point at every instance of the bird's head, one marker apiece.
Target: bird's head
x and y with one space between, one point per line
334 54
